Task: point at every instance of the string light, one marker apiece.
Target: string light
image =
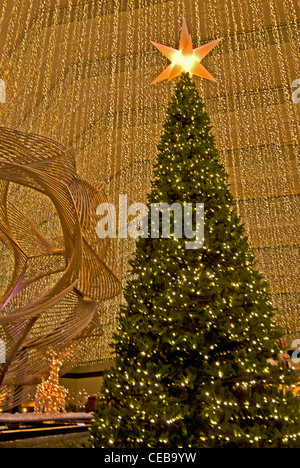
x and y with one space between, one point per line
267 141
50 397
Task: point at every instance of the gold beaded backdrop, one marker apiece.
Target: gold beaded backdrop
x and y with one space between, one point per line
79 72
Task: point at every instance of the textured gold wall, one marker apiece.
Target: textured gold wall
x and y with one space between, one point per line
80 73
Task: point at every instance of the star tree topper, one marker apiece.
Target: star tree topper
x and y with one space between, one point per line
186 59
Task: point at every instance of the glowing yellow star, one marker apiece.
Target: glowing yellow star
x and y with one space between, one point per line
186 59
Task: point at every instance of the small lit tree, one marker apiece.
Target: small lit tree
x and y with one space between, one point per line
195 337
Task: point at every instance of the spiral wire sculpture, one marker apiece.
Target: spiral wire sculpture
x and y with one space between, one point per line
66 279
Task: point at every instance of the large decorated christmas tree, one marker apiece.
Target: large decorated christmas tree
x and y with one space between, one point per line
197 346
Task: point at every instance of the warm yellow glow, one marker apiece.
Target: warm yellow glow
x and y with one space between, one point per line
186 59
105 110
187 62
50 396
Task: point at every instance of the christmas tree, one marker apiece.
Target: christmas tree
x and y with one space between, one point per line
197 339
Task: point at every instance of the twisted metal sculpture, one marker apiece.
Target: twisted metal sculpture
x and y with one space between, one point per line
65 279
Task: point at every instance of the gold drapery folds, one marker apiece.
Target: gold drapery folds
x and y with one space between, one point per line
66 278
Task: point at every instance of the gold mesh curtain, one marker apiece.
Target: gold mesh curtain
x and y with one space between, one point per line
79 72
